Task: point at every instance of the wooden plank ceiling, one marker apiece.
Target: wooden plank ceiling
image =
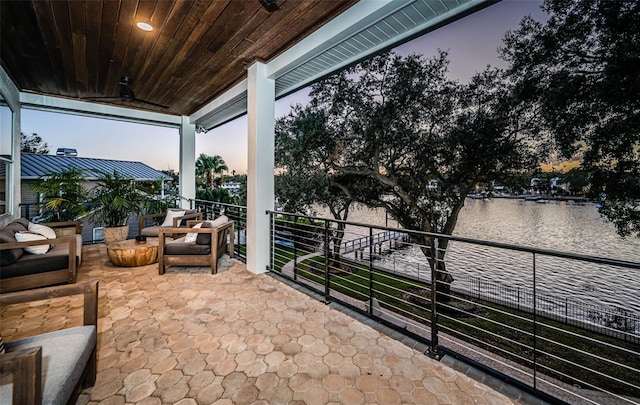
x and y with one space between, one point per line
82 48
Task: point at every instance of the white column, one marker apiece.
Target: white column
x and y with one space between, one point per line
187 161
260 182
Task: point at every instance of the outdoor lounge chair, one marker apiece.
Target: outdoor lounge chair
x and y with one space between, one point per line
201 246
173 218
52 368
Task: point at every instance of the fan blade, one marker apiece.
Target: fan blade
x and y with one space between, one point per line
149 102
101 98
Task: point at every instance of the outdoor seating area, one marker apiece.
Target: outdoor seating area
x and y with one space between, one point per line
236 337
25 262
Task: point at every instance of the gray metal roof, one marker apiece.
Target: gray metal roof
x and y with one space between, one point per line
34 165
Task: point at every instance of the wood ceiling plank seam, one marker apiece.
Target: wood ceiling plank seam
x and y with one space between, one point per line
237 10
77 21
158 19
93 10
137 37
151 88
282 18
44 16
302 25
210 15
187 52
154 69
240 37
206 57
214 10
80 56
62 23
232 18
109 20
18 51
123 28
181 71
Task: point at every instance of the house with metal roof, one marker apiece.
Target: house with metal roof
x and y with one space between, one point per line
34 166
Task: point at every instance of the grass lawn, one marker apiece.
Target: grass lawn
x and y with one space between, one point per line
565 352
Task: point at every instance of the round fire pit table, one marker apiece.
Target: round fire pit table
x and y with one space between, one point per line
130 253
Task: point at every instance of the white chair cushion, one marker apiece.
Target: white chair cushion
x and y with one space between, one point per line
168 219
192 236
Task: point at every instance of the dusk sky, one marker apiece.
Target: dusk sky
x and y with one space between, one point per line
472 43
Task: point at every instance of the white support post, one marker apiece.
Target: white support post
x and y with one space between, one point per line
187 161
260 181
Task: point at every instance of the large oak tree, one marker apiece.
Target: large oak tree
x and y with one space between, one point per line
580 71
397 133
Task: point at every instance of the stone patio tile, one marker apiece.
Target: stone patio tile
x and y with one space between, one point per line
189 337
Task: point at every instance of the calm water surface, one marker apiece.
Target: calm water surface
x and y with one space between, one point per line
562 226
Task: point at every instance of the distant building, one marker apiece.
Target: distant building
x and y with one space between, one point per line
557 184
34 166
233 187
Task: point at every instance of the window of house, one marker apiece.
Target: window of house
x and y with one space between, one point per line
6 157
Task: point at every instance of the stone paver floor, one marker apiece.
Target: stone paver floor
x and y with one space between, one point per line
189 337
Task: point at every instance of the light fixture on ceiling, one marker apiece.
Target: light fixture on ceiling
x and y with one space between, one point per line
144 25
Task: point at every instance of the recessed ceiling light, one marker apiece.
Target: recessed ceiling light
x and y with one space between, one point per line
144 26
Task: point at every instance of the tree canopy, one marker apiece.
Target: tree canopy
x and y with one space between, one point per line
579 70
33 143
395 132
210 167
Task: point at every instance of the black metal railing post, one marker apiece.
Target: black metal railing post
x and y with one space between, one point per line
295 249
535 327
272 221
370 271
433 350
327 295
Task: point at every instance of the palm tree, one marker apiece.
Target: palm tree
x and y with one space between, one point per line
210 166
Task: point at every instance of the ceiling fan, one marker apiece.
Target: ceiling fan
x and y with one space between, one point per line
126 93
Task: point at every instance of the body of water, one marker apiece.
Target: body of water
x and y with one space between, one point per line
562 226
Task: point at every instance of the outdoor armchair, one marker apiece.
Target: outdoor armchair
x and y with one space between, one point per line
52 367
199 247
149 225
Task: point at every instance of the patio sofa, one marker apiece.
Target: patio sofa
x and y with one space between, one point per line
25 262
51 368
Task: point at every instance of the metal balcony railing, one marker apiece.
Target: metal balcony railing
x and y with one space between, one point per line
563 344
236 213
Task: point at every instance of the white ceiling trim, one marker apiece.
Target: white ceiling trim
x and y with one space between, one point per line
92 109
228 106
353 20
366 28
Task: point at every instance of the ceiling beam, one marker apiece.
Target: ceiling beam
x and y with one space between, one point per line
92 109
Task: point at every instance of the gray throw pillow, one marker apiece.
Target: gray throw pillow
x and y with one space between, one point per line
9 256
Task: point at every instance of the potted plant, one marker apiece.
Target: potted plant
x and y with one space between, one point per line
63 195
115 198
